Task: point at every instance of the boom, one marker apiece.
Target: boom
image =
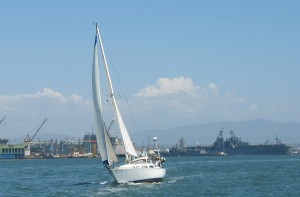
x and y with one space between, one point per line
28 139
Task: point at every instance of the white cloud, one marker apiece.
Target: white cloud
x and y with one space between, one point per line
214 88
182 102
47 92
253 106
239 100
69 114
169 86
187 101
75 98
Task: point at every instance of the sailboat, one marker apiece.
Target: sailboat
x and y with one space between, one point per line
136 168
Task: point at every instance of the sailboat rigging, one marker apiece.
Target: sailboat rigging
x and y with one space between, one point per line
136 168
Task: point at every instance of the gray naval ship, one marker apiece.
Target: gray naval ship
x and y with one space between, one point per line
229 146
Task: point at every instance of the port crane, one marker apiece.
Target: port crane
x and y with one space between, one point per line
3 141
29 139
2 119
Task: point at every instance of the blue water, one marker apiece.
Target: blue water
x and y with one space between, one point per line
186 176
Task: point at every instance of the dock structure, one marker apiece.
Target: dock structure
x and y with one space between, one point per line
11 151
67 148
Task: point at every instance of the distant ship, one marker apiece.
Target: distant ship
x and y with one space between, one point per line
230 146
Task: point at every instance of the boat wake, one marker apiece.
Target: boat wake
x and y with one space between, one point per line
172 181
175 179
85 183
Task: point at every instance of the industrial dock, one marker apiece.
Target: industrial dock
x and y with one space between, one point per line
53 148
85 148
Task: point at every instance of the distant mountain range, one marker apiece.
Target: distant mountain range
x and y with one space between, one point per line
253 131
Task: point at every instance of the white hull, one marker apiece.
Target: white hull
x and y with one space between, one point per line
134 173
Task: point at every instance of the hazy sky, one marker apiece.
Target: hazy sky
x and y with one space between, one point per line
179 62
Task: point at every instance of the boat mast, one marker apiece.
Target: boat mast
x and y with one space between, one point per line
130 150
105 65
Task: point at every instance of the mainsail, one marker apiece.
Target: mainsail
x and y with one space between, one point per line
104 145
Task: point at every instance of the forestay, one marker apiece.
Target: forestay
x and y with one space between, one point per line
126 138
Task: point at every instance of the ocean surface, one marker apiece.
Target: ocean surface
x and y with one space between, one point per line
186 176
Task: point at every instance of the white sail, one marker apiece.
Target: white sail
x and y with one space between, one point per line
126 138
103 142
112 157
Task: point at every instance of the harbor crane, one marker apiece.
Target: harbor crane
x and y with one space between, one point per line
29 139
2 119
3 141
